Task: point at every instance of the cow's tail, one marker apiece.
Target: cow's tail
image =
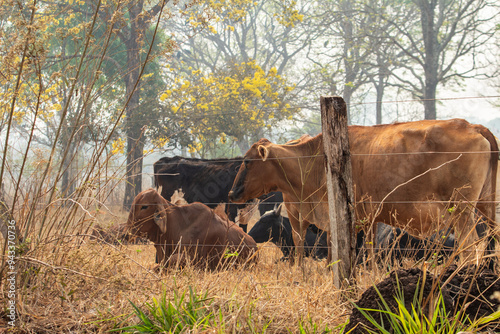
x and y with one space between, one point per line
487 203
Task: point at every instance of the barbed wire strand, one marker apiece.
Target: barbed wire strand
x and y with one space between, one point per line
218 114
201 161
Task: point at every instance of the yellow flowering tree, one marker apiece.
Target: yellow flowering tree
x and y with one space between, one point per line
82 65
239 103
23 49
234 72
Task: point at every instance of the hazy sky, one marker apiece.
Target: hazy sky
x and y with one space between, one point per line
475 102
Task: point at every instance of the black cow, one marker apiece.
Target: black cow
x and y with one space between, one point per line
276 228
270 201
397 244
202 180
392 242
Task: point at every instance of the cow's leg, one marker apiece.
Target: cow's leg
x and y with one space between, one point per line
160 254
485 228
488 227
490 252
464 226
487 208
298 235
160 258
368 244
360 246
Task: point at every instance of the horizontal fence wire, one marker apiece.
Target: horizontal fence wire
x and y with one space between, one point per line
307 107
429 244
243 159
391 246
326 202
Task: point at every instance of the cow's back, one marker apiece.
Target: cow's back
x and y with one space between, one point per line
202 180
416 168
198 225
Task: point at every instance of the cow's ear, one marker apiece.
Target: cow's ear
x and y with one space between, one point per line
283 210
160 218
277 210
263 152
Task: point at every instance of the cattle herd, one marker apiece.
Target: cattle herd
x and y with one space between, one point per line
423 184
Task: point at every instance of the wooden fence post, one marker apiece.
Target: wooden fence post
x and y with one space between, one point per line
340 188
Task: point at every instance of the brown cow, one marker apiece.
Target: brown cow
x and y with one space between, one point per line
191 230
407 172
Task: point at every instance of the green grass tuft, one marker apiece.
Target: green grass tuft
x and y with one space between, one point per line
177 315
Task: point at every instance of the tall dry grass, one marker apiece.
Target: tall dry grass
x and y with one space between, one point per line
71 282
80 285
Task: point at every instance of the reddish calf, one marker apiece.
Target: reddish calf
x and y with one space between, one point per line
190 232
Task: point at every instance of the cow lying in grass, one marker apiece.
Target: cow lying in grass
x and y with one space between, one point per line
203 180
188 233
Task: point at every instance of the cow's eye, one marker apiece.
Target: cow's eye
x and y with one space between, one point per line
144 207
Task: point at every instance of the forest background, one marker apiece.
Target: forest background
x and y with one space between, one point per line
93 92
87 84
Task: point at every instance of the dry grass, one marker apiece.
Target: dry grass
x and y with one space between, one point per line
88 289
76 284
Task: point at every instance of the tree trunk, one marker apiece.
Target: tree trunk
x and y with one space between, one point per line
133 120
380 96
347 98
133 186
430 59
430 101
349 49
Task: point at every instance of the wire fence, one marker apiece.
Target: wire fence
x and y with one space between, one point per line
209 115
183 160
405 245
117 173
107 186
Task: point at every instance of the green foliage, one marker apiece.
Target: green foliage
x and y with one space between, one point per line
178 315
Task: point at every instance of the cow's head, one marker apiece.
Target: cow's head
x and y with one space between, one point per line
268 227
169 179
256 175
148 214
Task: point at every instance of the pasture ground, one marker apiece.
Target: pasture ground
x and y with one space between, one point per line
77 285
89 289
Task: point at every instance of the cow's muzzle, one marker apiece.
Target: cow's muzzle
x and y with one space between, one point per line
231 196
234 196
